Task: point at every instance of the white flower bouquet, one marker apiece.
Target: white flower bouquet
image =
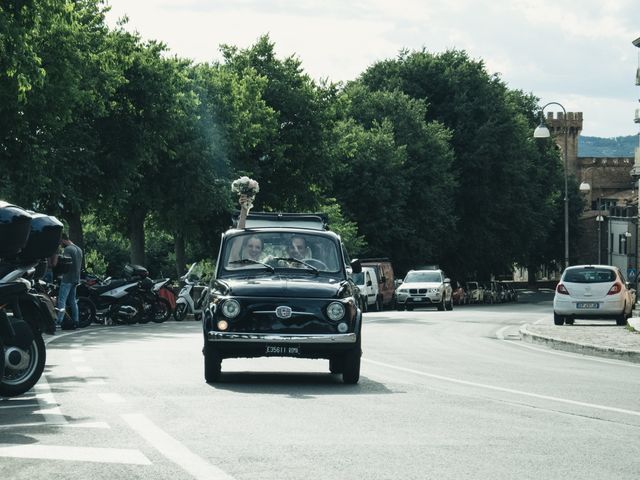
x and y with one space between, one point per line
246 188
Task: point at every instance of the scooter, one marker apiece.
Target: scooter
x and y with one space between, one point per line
191 297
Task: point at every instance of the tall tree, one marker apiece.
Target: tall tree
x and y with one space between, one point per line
492 153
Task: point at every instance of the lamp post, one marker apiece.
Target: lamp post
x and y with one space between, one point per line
542 131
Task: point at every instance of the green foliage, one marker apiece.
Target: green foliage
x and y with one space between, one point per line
425 158
347 230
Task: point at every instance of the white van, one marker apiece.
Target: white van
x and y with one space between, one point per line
367 282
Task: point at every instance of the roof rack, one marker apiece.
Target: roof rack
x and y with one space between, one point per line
314 221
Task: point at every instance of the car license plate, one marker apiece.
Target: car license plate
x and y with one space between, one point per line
284 350
417 299
587 305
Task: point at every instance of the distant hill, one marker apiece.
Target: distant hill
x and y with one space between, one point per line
607 147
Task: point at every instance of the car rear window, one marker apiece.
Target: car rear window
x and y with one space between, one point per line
592 275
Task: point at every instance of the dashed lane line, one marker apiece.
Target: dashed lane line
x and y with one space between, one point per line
173 450
76 454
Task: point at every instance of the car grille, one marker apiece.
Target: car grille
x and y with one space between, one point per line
417 291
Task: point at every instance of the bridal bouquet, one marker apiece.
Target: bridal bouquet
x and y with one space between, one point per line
246 188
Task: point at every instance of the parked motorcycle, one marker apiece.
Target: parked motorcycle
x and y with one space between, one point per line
25 239
155 308
191 297
112 301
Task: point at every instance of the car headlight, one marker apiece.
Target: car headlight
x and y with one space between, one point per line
335 311
231 308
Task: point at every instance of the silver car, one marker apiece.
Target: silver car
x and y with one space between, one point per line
592 291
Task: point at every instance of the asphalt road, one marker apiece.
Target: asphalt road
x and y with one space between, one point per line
442 395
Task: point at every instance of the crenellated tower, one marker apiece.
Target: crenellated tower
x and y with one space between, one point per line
556 123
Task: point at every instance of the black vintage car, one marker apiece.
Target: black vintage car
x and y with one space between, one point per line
282 288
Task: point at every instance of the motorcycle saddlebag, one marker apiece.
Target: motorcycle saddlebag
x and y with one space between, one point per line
15 224
44 238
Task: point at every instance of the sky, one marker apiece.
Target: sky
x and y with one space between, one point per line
578 53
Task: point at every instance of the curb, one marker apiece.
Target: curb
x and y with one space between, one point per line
582 348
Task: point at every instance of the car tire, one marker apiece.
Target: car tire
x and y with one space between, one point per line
449 305
557 319
351 364
212 363
621 320
379 304
409 309
336 365
441 306
569 321
399 307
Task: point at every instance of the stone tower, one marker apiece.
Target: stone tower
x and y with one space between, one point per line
556 124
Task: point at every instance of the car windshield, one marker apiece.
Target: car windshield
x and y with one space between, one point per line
413 277
590 275
269 251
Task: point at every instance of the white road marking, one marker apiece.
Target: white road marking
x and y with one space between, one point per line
111 398
48 405
174 450
83 369
21 405
76 454
506 390
102 425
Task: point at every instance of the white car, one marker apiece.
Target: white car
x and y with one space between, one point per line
592 291
425 288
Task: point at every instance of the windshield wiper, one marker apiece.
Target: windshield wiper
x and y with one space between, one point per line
291 259
247 261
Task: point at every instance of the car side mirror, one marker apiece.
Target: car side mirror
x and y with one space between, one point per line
447 280
368 283
355 266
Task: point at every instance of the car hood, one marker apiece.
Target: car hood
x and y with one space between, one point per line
304 287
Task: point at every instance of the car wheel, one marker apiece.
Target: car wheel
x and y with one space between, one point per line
557 319
212 363
399 307
379 304
351 364
621 320
441 306
336 365
449 306
409 309
568 321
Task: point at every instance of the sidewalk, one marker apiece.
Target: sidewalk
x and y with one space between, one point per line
602 340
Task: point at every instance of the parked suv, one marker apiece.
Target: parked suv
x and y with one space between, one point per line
282 288
424 288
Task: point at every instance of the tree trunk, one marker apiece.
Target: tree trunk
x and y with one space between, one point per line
136 236
180 254
532 270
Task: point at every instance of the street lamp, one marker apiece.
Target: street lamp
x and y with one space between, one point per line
542 131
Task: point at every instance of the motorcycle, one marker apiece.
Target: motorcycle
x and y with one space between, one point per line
155 307
191 297
112 301
25 315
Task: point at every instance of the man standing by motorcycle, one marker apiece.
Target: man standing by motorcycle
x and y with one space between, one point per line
69 282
